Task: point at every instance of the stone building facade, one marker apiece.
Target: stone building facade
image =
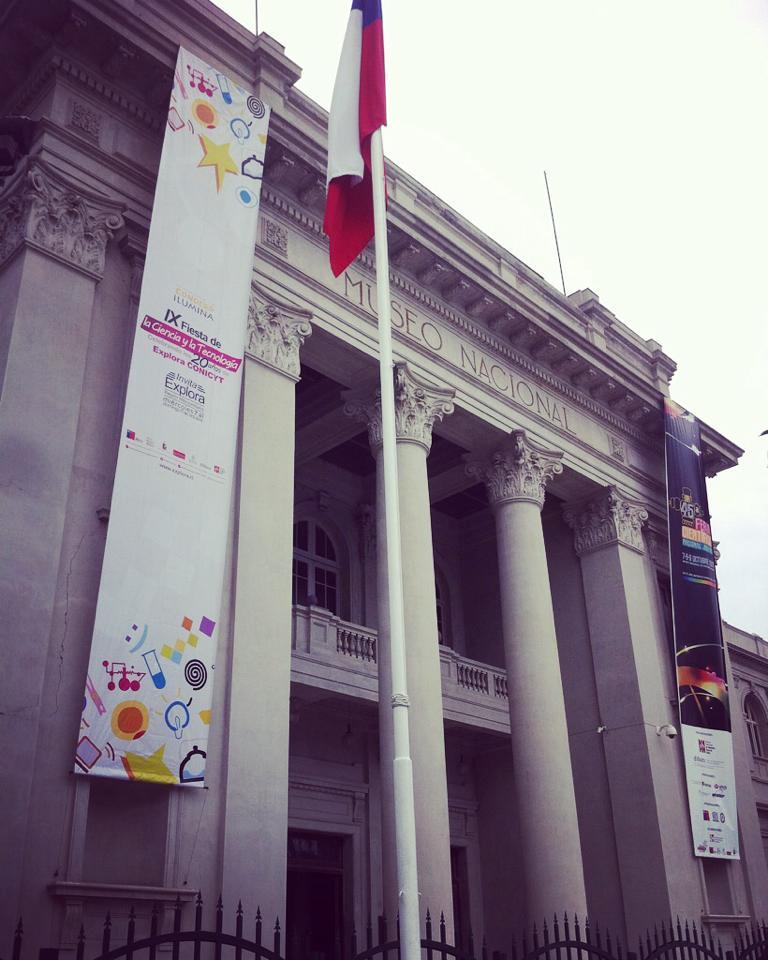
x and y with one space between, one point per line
534 548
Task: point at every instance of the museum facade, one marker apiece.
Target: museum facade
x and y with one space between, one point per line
535 560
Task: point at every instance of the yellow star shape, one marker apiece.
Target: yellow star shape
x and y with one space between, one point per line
151 768
216 155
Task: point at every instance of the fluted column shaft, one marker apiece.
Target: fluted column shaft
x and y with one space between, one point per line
418 405
549 835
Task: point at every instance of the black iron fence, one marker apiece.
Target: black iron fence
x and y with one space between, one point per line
562 940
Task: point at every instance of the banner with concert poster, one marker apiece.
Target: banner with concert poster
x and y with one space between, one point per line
148 692
699 654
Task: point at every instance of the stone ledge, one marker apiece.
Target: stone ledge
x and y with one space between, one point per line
85 890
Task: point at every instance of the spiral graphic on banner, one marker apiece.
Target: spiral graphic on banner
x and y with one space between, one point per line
256 107
195 674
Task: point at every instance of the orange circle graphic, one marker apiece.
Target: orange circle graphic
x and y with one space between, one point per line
130 720
204 113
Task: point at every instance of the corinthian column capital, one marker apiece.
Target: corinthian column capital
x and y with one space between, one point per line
276 332
520 470
418 406
608 518
39 208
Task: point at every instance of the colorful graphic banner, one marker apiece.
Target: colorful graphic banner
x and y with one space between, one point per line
699 653
147 704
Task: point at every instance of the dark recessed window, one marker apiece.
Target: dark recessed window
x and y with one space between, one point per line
315 567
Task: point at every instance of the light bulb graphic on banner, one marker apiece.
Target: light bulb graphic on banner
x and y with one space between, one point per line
177 717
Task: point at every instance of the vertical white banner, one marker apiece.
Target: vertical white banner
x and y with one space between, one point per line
711 781
147 704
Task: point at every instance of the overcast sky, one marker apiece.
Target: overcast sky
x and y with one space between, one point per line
650 119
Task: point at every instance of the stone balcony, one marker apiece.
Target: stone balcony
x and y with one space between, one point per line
334 655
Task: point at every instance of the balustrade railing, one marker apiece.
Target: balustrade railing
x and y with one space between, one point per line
321 635
479 678
353 642
472 677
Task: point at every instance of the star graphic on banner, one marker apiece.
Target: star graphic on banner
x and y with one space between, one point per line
150 768
216 155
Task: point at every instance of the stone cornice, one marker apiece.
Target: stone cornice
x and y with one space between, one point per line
311 225
519 471
481 335
607 519
418 405
276 331
38 207
58 61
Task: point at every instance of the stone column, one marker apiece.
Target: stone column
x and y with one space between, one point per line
418 405
631 656
515 477
54 237
256 812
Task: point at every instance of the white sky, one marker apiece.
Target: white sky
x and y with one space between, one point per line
650 119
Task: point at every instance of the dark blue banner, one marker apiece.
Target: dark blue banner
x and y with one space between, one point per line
698 640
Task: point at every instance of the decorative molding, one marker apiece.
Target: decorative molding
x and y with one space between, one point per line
41 209
274 235
658 547
520 470
276 332
617 448
366 519
85 120
607 519
418 405
136 110
316 785
480 334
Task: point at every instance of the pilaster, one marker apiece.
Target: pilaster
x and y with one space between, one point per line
632 664
54 236
606 520
40 209
256 808
276 332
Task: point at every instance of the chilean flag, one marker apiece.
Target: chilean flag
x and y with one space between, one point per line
358 108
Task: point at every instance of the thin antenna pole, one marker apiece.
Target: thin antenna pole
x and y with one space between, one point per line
554 230
256 17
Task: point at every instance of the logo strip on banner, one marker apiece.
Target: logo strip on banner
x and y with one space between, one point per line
698 638
148 694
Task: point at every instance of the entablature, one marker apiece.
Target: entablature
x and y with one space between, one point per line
571 347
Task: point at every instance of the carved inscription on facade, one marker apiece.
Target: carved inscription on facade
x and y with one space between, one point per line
444 342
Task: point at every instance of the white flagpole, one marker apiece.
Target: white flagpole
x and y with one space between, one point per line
405 815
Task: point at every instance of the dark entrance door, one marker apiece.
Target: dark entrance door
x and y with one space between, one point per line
315 897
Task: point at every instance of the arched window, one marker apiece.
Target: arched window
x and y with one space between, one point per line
315 566
757 726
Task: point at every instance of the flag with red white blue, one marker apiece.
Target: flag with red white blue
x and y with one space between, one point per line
358 108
